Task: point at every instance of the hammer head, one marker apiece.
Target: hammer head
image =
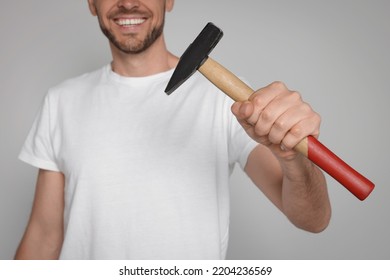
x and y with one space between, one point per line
195 55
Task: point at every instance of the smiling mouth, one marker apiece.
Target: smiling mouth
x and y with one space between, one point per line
127 22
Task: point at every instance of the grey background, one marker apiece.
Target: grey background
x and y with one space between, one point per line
336 53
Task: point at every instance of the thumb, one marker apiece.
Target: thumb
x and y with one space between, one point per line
242 110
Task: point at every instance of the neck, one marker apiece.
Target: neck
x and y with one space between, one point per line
154 60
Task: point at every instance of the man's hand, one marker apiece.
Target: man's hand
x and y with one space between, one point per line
277 118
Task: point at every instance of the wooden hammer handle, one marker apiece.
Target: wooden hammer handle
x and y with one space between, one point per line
225 80
310 147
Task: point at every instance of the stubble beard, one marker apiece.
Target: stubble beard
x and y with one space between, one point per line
132 45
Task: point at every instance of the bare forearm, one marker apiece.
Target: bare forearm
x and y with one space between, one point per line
44 234
37 245
305 198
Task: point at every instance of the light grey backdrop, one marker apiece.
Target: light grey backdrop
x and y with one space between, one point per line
336 53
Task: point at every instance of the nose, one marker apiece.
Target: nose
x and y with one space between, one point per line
128 4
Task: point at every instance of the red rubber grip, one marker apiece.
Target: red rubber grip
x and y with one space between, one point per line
356 183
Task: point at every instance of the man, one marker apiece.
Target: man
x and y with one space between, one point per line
126 172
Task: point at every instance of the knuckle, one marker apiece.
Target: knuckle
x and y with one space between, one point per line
267 115
307 110
314 116
279 125
278 85
296 131
257 100
296 96
308 107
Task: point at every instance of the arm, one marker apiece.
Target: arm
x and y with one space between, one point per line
297 188
44 234
278 119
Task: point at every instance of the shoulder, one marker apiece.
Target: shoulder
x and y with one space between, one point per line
78 84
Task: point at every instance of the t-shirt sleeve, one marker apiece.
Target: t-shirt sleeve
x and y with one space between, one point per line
38 149
240 143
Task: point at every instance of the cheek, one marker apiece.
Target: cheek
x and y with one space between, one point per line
160 13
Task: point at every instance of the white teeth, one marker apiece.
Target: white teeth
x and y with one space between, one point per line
132 21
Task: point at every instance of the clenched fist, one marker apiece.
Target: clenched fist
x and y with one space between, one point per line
277 118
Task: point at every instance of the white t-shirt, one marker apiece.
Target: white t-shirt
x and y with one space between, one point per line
146 174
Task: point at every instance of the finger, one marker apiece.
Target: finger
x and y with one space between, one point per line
236 109
276 108
242 111
270 102
287 120
280 128
301 130
260 100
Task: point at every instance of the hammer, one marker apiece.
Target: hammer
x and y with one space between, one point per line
196 58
